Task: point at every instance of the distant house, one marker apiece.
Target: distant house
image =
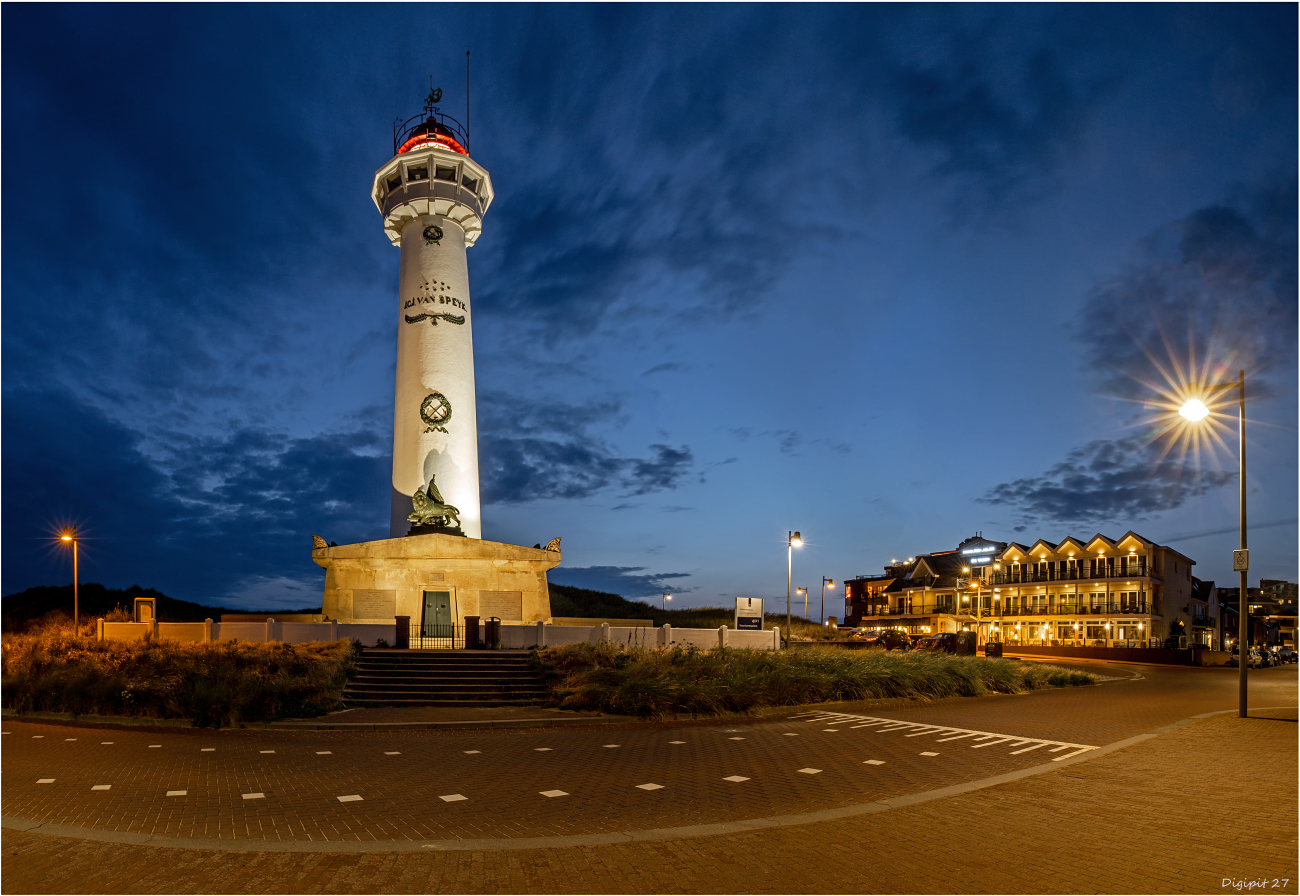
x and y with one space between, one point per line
1097 591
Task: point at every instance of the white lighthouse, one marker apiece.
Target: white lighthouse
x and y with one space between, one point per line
433 196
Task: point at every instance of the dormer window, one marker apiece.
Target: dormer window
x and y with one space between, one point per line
444 172
417 172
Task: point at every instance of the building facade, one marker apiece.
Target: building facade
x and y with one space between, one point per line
1098 591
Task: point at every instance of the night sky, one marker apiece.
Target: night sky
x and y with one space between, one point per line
888 275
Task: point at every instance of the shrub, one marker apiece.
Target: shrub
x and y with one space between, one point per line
658 682
224 683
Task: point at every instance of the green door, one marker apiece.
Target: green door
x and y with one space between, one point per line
437 614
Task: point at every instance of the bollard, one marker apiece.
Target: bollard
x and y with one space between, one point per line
402 636
604 632
472 641
776 637
207 631
270 630
99 629
668 635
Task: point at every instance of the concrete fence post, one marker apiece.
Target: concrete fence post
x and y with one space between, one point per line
722 636
668 635
776 637
604 632
99 629
270 631
153 627
541 633
334 629
207 631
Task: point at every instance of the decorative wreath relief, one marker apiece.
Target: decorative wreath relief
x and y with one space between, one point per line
435 411
433 234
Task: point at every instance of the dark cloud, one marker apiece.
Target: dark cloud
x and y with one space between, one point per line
1001 130
1106 483
1217 287
628 581
208 519
544 449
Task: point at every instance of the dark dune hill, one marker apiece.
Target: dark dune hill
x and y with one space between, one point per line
20 609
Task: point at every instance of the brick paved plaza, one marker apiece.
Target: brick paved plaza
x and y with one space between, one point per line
1058 791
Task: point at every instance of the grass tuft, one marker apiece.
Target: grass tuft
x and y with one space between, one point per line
654 683
220 684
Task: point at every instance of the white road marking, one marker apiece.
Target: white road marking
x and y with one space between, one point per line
177 792
102 787
929 754
207 749
1027 749
735 778
471 752
649 787
735 738
392 753
611 746
453 798
810 771
105 742
351 798
154 746
254 796
324 753
791 734
873 762
38 737
949 733
541 749
676 741
552 793
830 729
266 751
69 738
44 780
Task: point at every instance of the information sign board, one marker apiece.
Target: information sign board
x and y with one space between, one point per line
749 614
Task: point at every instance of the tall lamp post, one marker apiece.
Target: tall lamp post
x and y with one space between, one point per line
825 582
1195 410
792 540
667 597
804 591
71 535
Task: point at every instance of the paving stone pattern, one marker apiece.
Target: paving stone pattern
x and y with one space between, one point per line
1110 825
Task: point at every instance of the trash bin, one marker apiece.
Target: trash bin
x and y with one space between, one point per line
492 635
965 644
472 641
993 648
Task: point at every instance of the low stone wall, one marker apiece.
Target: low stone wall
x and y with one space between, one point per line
543 635
268 631
1165 656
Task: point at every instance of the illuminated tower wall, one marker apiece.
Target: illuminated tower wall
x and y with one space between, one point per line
432 196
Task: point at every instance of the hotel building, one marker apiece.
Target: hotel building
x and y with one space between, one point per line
1124 592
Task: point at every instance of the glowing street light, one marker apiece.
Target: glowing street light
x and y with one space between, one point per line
70 535
664 602
826 583
1195 410
803 589
792 540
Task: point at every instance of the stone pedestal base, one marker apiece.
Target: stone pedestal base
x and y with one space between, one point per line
376 581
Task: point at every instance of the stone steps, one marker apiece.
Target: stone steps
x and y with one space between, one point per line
445 678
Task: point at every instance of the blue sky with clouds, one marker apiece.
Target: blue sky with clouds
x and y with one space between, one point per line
888 275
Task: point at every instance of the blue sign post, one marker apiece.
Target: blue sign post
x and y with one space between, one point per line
749 614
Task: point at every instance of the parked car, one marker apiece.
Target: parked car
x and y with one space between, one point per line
944 641
1286 655
889 639
1254 658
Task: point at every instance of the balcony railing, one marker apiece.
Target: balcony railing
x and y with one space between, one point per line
1026 576
917 609
1113 608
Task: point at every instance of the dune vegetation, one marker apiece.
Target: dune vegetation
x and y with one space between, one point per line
655 683
53 669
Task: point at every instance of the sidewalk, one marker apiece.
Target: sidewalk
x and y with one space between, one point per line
425 717
1120 823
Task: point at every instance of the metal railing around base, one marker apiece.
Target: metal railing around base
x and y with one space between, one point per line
437 637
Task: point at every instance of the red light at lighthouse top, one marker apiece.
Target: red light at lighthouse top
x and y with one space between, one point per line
430 128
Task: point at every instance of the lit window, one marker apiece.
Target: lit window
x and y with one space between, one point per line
441 172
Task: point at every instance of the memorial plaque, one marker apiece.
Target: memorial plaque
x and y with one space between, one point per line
505 605
374 604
